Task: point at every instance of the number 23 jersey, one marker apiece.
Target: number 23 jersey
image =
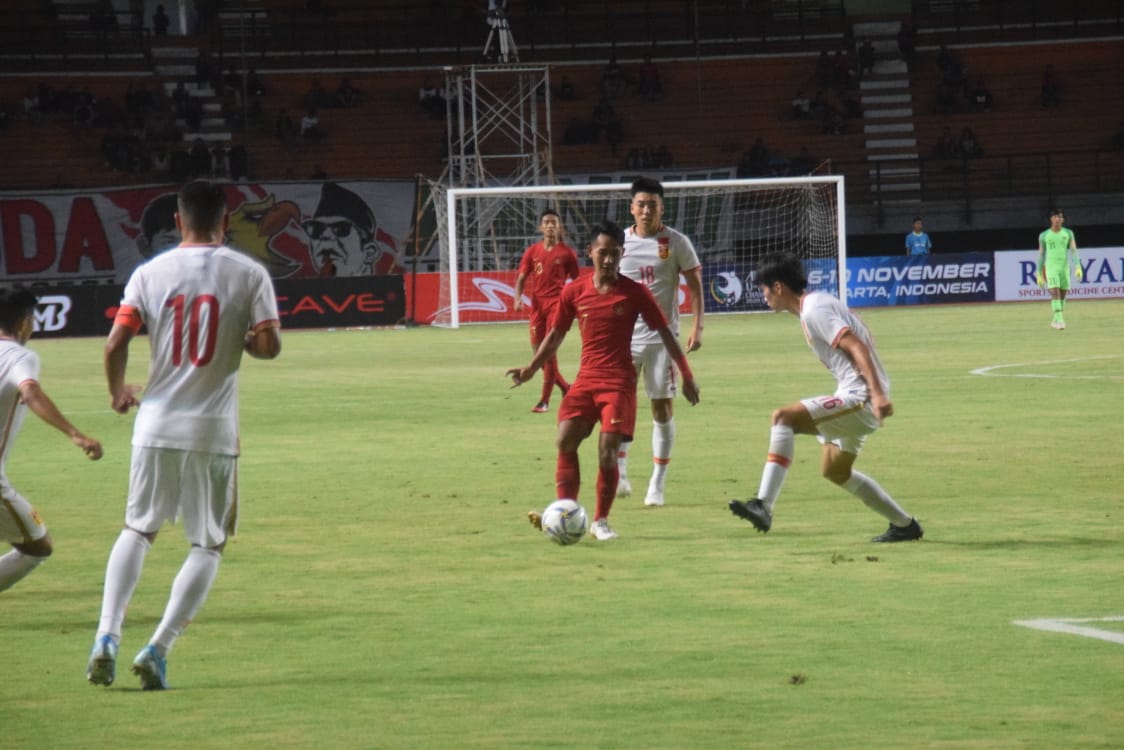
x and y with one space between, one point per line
198 302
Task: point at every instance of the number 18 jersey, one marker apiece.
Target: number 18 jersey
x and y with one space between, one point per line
198 302
656 262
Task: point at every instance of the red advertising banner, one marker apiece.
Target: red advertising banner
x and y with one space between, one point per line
297 230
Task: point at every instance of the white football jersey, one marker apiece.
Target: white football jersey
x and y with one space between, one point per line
825 319
18 364
656 262
198 302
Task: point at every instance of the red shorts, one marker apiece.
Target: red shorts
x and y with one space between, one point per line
540 323
612 406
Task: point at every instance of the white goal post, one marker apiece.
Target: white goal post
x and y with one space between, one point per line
733 223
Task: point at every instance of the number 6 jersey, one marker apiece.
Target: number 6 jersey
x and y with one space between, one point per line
198 302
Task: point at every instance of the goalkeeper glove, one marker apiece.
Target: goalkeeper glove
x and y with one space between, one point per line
1078 272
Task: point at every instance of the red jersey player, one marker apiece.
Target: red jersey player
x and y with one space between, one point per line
549 264
606 306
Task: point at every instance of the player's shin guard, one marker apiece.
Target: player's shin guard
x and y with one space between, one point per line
663 440
189 591
567 476
876 498
126 560
782 446
14 566
607 479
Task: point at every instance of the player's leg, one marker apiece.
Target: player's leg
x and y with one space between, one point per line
659 386
210 513
839 453
23 528
1063 291
618 420
787 421
537 329
624 487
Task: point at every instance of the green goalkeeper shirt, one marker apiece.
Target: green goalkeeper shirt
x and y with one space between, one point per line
1056 245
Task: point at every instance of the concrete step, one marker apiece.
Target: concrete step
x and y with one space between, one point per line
876 113
869 99
895 127
896 187
884 143
212 107
170 53
174 69
193 88
872 29
887 48
896 172
890 67
208 136
883 84
896 156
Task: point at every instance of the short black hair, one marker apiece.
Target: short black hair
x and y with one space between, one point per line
15 305
1056 212
646 185
549 212
202 204
607 227
787 269
917 219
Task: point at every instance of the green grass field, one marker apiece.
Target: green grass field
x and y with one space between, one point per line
385 590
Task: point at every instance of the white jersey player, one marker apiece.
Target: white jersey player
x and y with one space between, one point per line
841 421
203 305
20 524
656 255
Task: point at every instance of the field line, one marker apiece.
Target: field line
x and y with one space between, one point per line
1069 625
992 370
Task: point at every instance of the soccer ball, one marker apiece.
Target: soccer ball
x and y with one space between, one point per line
564 521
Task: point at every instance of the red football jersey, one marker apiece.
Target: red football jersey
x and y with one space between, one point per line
606 322
547 271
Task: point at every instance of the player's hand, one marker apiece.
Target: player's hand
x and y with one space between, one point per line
691 391
519 375
694 341
882 407
122 402
1078 272
1041 279
89 446
517 305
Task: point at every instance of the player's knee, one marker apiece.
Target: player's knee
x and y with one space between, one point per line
782 417
836 474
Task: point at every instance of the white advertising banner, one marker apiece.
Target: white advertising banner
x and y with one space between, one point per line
1103 269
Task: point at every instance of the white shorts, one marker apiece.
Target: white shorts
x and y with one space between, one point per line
166 484
19 521
653 365
844 420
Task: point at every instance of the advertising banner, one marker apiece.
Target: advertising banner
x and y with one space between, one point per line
66 311
1103 269
297 230
920 279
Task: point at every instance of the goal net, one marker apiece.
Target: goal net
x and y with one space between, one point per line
732 223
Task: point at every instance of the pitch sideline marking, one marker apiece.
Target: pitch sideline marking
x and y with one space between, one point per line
1068 625
990 370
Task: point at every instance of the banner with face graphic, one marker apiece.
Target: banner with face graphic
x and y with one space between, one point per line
297 230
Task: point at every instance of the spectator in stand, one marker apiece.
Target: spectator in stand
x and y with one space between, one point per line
803 163
317 97
907 45
755 161
31 109
946 147
1051 97
917 242
833 122
566 90
200 159
613 80
431 100
160 22
845 74
969 146
220 165
310 127
180 168
284 128
648 82
605 120
801 106
981 98
239 160
866 58
180 99
824 69
254 85
663 158
347 96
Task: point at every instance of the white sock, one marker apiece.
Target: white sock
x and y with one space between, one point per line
189 591
622 459
663 440
126 560
782 446
875 498
14 566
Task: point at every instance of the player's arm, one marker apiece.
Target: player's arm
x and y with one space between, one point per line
859 354
121 396
1040 274
690 387
1078 271
520 281
263 341
549 345
693 277
44 408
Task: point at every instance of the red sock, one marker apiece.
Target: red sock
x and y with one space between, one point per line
567 476
606 490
